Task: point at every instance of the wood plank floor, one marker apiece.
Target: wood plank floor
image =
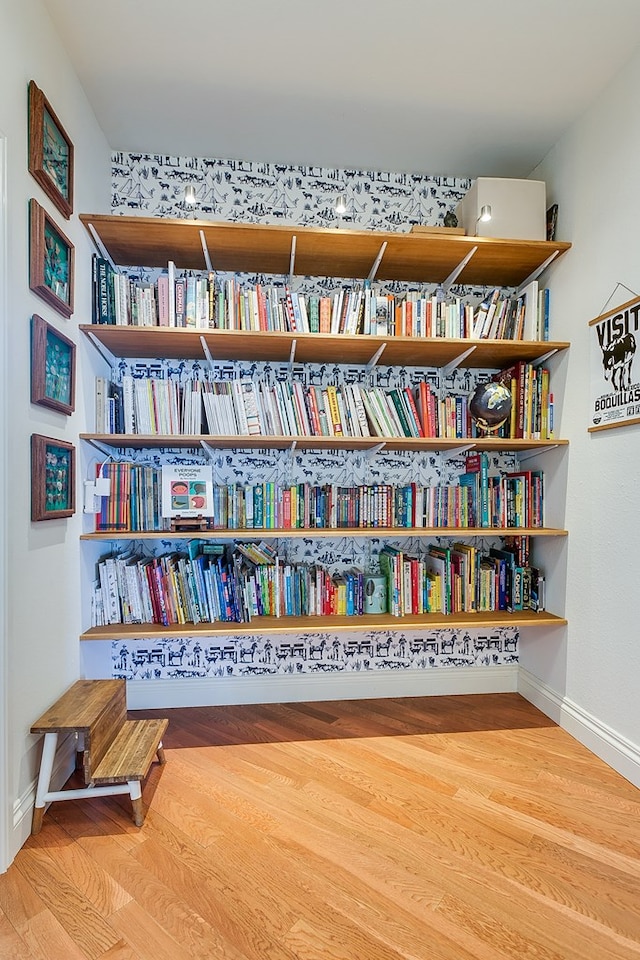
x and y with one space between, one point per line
443 828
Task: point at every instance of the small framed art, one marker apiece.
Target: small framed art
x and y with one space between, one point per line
53 367
53 478
51 259
50 152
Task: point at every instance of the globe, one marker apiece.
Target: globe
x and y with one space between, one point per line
490 406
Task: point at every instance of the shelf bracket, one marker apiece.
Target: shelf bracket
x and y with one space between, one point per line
536 453
376 357
536 273
545 356
104 352
446 285
292 354
102 448
205 250
205 350
371 451
100 247
376 262
458 451
454 364
292 258
208 449
294 444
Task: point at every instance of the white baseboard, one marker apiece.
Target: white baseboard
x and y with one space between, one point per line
443 681
606 743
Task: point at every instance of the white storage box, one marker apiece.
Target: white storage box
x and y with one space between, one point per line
518 209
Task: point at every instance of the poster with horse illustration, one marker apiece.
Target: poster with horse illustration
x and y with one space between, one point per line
615 371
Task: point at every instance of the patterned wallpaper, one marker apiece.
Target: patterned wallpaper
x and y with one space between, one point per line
151 185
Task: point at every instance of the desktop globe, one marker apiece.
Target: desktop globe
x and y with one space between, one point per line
490 406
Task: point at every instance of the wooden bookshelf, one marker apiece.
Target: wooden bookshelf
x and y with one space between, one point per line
319 251
314 533
139 441
273 346
332 624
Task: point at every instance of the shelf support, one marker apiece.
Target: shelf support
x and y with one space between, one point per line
536 273
371 451
376 357
376 262
102 448
454 364
536 453
545 356
446 285
205 250
292 258
104 352
100 247
205 350
458 451
208 449
292 354
294 444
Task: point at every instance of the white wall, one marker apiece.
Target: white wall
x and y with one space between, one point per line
42 619
593 175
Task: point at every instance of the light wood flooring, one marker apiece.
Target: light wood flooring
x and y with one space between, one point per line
443 828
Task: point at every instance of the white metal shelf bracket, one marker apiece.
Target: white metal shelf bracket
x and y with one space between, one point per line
103 448
292 257
100 247
376 262
104 352
536 453
371 451
446 285
205 250
292 354
536 273
208 449
454 364
376 357
205 350
458 451
545 356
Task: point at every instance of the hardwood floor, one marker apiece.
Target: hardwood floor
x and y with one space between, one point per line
443 828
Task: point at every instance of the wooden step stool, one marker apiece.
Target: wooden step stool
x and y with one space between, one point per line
116 752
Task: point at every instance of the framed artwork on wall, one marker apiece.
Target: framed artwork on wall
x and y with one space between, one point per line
53 478
51 261
50 152
53 367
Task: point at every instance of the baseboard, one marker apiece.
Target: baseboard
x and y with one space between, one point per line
156 694
615 750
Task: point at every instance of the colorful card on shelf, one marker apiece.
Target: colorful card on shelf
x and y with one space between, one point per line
187 491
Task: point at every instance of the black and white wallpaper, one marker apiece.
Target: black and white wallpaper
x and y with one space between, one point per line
151 185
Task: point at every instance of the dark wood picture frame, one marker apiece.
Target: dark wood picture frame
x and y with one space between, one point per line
53 367
50 152
53 478
51 261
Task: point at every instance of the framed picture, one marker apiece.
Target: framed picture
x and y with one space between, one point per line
615 370
53 367
51 257
50 152
53 478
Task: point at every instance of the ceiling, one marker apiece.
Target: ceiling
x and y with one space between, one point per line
446 87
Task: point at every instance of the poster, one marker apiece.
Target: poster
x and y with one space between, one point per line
615 367
187 491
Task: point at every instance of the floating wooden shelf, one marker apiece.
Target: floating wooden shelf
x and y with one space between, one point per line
336 624
163 342
139 441
319 251
382 533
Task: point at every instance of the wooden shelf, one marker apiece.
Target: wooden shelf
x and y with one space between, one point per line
322 532
139 441
268 345
336 624
320 251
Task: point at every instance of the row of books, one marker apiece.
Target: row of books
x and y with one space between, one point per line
209 302
514 500
215 583
165 407
531 401
522 317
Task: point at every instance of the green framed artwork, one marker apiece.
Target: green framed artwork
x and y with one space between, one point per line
51 261
50 152
53 367
53 478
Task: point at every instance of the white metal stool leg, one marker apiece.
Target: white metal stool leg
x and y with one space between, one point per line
44 779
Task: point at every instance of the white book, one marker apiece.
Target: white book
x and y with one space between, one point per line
531 306
239 407
360 410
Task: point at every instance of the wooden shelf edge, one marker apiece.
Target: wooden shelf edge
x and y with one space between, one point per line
307 625
333 532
